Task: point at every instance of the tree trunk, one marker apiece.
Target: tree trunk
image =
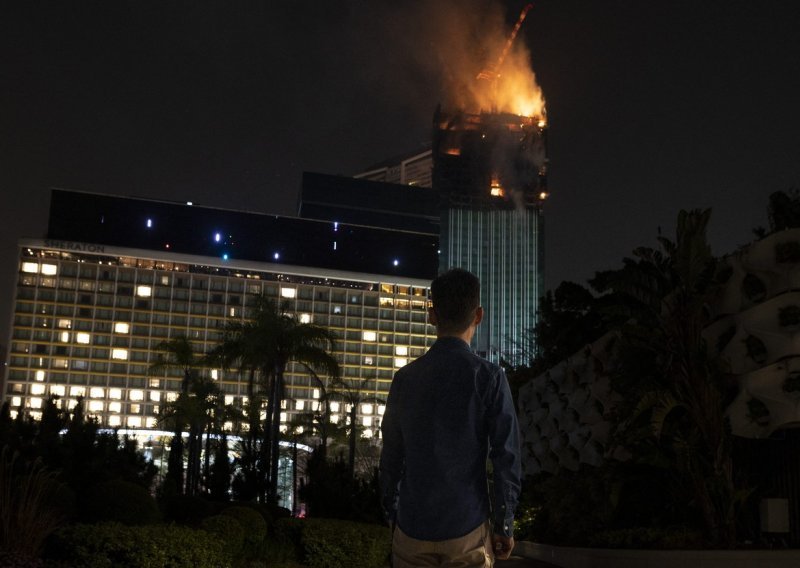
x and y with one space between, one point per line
353 430
276 423
265 462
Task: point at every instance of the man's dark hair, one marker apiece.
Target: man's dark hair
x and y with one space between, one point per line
455 295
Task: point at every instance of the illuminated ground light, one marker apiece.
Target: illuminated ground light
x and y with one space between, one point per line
276 256
217 237
396 262
225 256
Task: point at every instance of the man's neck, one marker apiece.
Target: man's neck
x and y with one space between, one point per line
465 336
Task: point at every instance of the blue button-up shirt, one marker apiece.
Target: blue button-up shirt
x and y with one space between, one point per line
447 411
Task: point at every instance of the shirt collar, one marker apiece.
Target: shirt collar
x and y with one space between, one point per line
450 342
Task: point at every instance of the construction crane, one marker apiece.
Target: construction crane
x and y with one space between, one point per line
492 71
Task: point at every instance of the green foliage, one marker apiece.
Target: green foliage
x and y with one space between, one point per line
329 543
253 522
110 545
120 501
27 515
784 210
228 530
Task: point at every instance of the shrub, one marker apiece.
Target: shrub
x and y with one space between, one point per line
758 412
254 525
754 288
792 383
756 349
121 501
108 545
787 252
228 530
332 543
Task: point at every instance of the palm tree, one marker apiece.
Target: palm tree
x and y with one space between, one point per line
178 353
354 395
267 344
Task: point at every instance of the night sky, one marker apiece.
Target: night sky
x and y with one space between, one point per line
652 107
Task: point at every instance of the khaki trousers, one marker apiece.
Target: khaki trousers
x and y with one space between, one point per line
473 550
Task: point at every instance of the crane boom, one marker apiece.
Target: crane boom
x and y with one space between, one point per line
492 72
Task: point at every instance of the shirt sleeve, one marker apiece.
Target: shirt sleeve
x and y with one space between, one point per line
504 452
392 454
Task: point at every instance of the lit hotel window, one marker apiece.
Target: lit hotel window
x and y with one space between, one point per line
305 318
334 407
315 393
381 409
288 292
299 404
96 406
96 392
114 421
49 269
137 395
30 267
16 401
37 389
65 324
144 291
64 337
122 327
369 336
283 417
36 402
368 360
366 409
77 391
115 393
228 399
115 407
120 354
155 396
335 418
83 338
401 350
366 421
39 375
366 433
400 361
58 390
134 422
214 374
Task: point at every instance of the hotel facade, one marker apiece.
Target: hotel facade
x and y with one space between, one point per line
88 319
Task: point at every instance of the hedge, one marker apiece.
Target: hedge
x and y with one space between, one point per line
331 543
110 545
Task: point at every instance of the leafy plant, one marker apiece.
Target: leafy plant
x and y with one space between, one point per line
121 501
792 383
757 411
26 515
787 252
756 349
753 288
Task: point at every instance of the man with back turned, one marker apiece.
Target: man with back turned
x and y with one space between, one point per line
447 412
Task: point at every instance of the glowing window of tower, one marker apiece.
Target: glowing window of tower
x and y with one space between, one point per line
37 389
214 374
369 336
366 409
114 421
122 327
334 407
58 390
30 267
366 433
120 354
288 292
65 324
144 291
228 399
96 406
315 393
64 337
151 422
284 417
299 404
334 418
155 396
49 269
401 350
134 422
97 392
172 396
39 375
115 407
16 401
315 405
305 318
77 391
83 338
381 409
366 421
137 395
36 402
115 394
400 361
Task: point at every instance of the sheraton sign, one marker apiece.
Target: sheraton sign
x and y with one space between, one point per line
69 245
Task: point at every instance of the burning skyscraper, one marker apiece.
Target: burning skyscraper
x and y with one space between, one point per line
490 169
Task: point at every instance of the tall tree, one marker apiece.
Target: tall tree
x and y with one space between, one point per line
265 345
178 353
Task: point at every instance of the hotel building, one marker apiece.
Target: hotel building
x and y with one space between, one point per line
118 276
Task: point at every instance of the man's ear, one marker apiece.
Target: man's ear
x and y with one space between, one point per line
478 315
432 319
